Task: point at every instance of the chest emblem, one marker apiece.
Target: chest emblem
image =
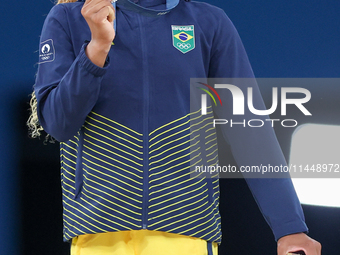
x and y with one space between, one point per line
183 38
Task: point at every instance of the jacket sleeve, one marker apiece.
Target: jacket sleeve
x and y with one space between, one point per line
253 146
67 83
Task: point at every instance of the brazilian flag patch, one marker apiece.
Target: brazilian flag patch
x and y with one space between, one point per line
183 38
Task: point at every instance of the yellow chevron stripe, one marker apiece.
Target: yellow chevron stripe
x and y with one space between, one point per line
68 172
110 176
71 225
209 123
175 216
115 141
215 193
101 160
179 202
177 145
214 145
168 137
177 184
167 163
72 148
115 191
217 232
212 133
168 130
70 230
116 129
171 173
111 215
138 164
116 148
214 230
117 173
214 151
172 122
113 134
214 139
169 212
195 183
172 141
182 194
66 235
72 194
102 217
73 168
113 184
65 183
213 129
117 124
73 219
192 158
215 176
211 225
65 177
201 119
199 116
196 129
111 202
102 204
172 154
88 216
153 186
184 219
214 158
180 170
181 131
65 157
197 226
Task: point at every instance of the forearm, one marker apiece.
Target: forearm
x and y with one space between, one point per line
63 107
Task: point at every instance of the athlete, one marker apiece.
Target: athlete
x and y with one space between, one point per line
117 101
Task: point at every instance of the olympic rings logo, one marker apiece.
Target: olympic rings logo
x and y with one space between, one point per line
184 46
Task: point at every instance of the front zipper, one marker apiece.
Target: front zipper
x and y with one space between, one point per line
79 178
145 125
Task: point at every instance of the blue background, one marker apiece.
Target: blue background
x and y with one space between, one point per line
282 38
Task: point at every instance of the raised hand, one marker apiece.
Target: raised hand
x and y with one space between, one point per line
99 15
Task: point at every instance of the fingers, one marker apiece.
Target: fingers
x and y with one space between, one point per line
94 6
293 243
312 249
99 15
105 13
318 247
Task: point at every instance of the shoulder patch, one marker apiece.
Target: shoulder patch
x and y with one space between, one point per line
46 51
